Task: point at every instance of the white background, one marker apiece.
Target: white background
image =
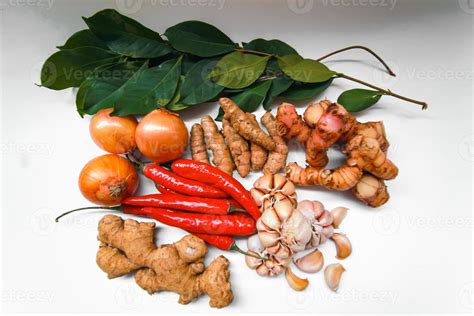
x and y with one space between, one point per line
411 255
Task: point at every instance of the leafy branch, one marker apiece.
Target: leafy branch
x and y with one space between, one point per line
117 62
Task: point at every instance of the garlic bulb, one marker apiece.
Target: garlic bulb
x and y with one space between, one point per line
320 221
271 267
282 229
268 185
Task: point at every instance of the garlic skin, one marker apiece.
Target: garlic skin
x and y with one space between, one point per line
338 215
320 221
268 185
295 282
311 263
333 274
283 230
271 267
343 245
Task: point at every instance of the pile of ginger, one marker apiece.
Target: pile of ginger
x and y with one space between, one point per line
245 146
128 247
324 124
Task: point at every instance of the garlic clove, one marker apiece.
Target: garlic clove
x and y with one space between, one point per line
268 239
338 214
332 275
271 219
343 245
257 196
282 252
311 263
254 243
262 270
295 282
283 209
252 262
264 183
278 181
325 219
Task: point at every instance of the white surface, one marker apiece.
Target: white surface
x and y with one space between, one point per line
412 255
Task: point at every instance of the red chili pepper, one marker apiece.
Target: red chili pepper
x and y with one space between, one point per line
211 175
222 242
164 190
236 223
181 185
182 202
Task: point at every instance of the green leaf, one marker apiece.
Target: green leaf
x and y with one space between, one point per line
196 88
101 90
126 36
81 39
302 91
279 85
70 67
250 99
199 38
174 104
274 47
305 70
149 89
356 100
238 70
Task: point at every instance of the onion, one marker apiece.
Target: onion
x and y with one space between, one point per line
162 136
113 134
108 179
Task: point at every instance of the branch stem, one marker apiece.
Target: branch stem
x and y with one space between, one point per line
389 92
252 52
363 48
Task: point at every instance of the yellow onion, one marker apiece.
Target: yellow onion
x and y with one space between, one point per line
162 136
108 179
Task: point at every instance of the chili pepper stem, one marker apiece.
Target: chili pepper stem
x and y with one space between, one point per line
234 247
236 209
112 208
138 164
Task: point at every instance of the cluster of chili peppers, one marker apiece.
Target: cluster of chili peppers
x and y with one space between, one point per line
197 198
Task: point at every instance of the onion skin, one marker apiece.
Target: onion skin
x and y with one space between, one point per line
108 180
113 134
162 136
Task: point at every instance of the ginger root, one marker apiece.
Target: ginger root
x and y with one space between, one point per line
276 158
371 190
198 146
258 154
216 143
341 178
290 124
128 246
239 148
244 126
365 144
